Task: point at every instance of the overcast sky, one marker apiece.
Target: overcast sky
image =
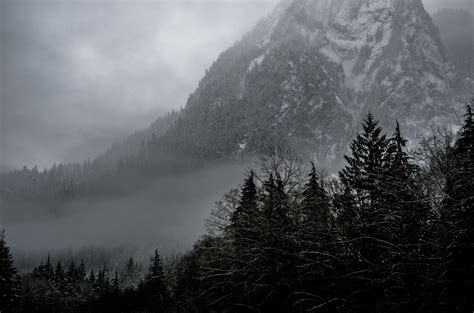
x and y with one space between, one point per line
77 75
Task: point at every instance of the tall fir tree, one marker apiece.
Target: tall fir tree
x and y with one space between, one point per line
460 215
245 241
91 277
315 221
407 211
59 275
364 179
406 217
9 297
242 218
129 277
155 288
48 269
316 245
82 271
367 163
45 271
277 249
461 182
72 274
367 217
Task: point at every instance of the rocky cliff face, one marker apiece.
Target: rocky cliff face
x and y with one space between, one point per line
310 71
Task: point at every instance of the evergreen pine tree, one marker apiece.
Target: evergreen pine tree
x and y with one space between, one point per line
242 219
245 241
48 270
406 212
365 179
102 283
367 164
276 256
8 280
155 279
366 216
82 271
282 210
129 278
72 273
460 208
91 277
406 215
268 199
461 181
155 284
315 238
315 210
59 276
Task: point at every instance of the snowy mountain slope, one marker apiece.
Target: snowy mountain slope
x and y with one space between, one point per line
393 60
312 69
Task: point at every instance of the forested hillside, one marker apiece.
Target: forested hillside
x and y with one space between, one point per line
392 233
70 180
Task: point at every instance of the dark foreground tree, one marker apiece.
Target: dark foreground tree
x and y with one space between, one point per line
364 214
9 292
154 286
460 221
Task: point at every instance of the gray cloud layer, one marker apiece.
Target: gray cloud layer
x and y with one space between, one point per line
77 75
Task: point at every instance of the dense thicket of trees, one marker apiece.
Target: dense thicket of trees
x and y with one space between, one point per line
393 233
378 239
78 288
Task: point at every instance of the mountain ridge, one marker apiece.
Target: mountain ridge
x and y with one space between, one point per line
309 71
305 77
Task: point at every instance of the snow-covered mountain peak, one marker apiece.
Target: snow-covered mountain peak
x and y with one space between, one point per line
381 45
310 71
349 24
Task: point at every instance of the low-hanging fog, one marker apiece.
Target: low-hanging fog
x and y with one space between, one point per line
78 75
169 214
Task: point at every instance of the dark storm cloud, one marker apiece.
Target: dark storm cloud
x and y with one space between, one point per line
78 75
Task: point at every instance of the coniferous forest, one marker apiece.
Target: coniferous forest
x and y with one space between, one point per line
392 232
